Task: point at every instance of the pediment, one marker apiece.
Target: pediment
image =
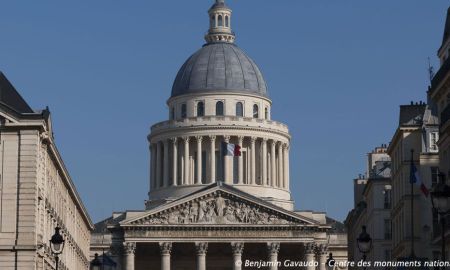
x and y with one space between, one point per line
219 206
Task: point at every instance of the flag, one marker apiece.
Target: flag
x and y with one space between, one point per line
414 178
229 149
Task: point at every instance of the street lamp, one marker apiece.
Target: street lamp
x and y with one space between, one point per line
440 198
96 264
330 262
364 243
57 245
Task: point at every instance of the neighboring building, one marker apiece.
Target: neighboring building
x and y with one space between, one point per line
372 200
439 93
206 209
418 129
36 191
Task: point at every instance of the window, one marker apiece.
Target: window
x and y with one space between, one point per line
213 21
434 137
387 198
434 176
227 21
220 20
200 109
266 113
172 113
183 110
255 111
239 109
387 229
219 108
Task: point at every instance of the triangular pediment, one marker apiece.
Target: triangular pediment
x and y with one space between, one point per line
219 205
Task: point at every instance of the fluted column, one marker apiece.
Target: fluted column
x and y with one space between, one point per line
199 160
158 165
241 162
280 182
226 165
253 160
129 251
273 171
272 250
166 249
175 161
201 249
322 251
309 256
186 180
212 159
238 249
166 164
264 162
153 167
286 166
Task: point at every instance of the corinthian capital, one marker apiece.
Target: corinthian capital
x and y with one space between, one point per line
273 247
237 247
201 248
129 247
165 247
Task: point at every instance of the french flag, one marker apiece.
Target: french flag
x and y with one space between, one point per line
229 149
415 179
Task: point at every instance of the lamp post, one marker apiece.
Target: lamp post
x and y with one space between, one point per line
364 243
57 245
330 262
96 264
440 199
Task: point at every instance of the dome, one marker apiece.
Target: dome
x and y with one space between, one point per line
219 67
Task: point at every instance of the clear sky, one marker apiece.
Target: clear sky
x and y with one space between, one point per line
337 72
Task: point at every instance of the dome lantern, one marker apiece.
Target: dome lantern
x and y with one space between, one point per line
220 23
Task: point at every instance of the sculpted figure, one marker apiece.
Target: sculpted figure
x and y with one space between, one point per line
220 206
193 213
202 211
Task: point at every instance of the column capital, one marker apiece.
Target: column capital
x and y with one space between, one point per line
237 247
186 139
273 143
165 248
273 247
310 248
199 138
201 248
241 139
129 247
174 140
322 249
264 140
286 146
226 138
212 137
253 139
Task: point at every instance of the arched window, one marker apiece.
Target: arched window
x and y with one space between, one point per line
213 21
219 108
255 111
266 113
200 109
220 20
227 21
183 110
239 109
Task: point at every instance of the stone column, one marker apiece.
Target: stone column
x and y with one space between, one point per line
253 160
226 165
241 162
280 182
166 249
286 166
238 249
201 249
186 180
212 159
322 251
272 250
166 164
175 161
199 160
309 255
158 165
129 251
264 162
273 170
153 166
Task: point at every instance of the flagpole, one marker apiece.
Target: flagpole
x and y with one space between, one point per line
412 204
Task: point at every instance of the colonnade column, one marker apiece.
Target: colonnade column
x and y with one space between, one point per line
322 251
165 249
201 249
273 249
226 164
309 256
199 160
273 170
158 165
280 182
166 164
238 249
286 166
264 162
253 160
212 159
241 162
186 161
175 161
152 166
129 251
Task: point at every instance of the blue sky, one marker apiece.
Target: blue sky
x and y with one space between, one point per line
337 72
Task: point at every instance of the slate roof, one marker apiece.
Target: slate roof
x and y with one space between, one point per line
412 115
11 98
447 27
219 67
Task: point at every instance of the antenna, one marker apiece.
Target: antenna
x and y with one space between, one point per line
430 70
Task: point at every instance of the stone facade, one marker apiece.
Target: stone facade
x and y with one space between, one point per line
36 192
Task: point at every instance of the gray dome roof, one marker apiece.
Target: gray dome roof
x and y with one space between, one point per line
219 67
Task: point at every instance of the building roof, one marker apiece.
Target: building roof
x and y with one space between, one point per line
11 98
412 115
219 67
447 27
